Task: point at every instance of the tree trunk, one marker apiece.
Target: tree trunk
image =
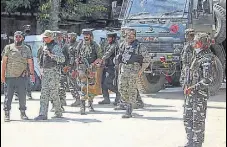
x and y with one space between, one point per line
54 14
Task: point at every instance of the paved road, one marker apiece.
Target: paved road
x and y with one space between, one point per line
159 124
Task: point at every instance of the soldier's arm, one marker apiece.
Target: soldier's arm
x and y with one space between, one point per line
5 55
30 61
206 77
110 52
57 54
146 57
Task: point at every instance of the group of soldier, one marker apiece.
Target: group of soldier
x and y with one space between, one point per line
63 59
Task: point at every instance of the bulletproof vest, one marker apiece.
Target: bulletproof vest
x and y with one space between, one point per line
88 52
131 53
109 61
46 61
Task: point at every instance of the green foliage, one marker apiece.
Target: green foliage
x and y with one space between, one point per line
44 15
13 5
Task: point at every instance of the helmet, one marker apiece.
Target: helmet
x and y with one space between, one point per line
130 31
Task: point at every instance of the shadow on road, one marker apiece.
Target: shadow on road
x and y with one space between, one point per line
61 120
156 110
157 118
98 112
219 97
213 107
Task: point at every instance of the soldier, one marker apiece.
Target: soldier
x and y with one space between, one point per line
73 87
197 92
51 56
63 81
87 52
139 102
15 58
187 53
134 60
109 74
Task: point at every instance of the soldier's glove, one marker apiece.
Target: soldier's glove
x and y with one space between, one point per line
75 74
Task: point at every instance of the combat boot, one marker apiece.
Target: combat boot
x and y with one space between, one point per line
29 96
105 101
140 104
41 117
128 113
57 115
7 116
120 106
90 106
23 115
76 103
82 107
63 109
117 99
197 144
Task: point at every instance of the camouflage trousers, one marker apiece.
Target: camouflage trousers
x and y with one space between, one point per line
194 117
50 91
65 81
127 86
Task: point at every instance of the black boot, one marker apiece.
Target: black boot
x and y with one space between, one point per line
128 113
197 144
140 104
7 116
90 106
53 108
41 117
82 107
117 99
23 115
29 95
105 101
63 109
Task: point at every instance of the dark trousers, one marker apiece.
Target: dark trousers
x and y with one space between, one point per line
28 87
107 82
15 84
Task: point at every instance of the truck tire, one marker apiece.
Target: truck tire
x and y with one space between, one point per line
219 51
151 84
220 15
217 72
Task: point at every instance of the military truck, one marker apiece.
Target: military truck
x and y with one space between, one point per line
160 26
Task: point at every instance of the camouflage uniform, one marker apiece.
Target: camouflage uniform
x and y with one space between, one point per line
16 66
196 100
187 53
109 74
73 87
132 56
50 77
87 53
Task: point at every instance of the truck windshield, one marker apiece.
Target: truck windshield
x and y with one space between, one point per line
156 7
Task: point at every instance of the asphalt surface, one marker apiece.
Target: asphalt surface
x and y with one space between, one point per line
159 124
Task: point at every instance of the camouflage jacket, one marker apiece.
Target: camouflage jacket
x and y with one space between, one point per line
110 51
201 72
187 54
90 52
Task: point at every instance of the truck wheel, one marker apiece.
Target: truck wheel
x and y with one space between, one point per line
220 15
219 51
151 84
217 72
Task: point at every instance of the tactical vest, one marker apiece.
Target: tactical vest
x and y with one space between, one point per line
46 61
17 60
88 51
109 61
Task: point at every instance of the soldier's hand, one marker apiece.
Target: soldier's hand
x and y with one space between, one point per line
140 73
66 69
187 91
75 74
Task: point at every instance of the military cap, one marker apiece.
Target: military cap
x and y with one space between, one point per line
131 31
19 33
72 34
111 34
87 31
189 30
48 33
